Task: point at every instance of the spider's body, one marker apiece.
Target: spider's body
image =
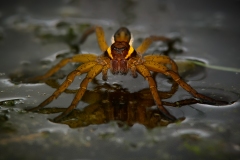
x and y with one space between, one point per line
118 63
120 52
120 57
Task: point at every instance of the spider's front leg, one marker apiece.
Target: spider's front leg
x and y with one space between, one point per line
153 87
162 59
101 38
81 58
99 34
81 69
83 86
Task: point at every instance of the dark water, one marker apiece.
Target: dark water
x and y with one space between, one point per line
35 35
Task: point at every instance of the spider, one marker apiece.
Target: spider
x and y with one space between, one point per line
120 58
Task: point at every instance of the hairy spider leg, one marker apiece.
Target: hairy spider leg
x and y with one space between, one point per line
80 58
101 38
148 41
104 72
81 69
162 60
99 34
153 87
156 67
96 69
181 102
146 94
169 94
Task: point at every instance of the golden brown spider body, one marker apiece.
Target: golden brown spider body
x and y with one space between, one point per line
118 64
120 57
120 52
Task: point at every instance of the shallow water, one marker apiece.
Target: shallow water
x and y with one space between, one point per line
35 35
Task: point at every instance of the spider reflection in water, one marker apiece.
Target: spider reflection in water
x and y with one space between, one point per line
114 103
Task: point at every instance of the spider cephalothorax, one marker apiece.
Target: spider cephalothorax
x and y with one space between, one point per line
120 57
120 51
